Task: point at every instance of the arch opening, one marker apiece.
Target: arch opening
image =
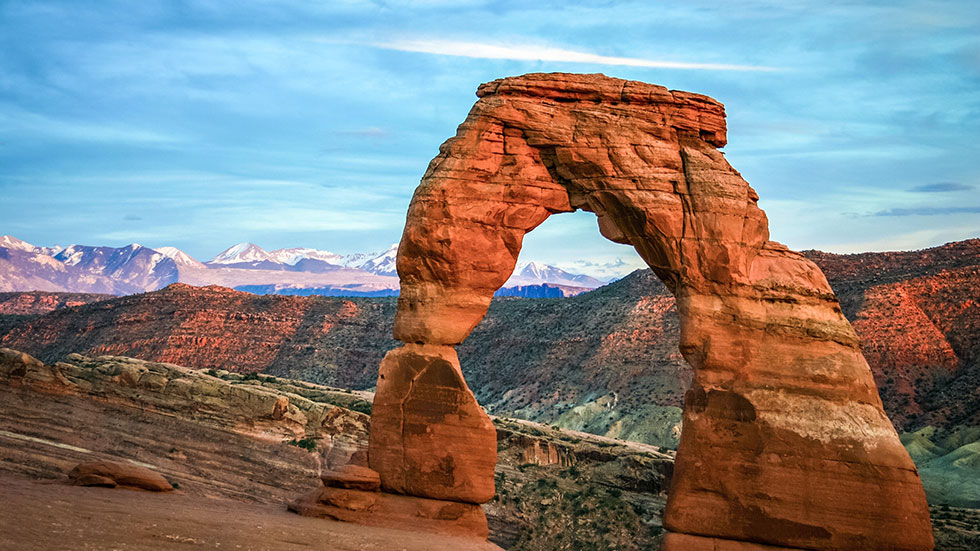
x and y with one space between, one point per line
572 242
784 439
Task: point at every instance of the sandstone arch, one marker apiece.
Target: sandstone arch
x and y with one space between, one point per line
784 441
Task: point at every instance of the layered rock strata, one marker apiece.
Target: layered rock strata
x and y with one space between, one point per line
785 442
217 434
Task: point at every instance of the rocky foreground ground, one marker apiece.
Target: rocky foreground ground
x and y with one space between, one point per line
47 515
261 440
238 447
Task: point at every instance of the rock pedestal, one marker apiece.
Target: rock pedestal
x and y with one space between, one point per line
784 441
428 435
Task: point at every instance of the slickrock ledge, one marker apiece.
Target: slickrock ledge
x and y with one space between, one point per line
784 443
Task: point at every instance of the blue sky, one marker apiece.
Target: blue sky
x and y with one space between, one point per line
203 123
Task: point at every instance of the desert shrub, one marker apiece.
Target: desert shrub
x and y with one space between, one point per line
361 406
544 483
308 443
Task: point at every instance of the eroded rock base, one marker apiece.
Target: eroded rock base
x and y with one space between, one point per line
381 509
687 542
352 494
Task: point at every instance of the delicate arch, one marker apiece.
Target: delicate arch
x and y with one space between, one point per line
784 438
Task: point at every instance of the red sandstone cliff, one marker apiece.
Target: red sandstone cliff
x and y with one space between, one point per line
42 302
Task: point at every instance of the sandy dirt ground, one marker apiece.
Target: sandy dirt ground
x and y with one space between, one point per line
51 515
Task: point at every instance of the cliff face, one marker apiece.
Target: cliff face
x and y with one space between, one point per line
216 435
218 328
918 315
606 361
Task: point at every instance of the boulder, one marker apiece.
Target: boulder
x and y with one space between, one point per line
429 436
117 473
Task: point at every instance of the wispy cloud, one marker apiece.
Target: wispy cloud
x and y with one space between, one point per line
543 53
941 187
927 211
15 119
607 268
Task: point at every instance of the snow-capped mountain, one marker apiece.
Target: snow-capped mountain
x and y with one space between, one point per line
124 270
12 243
535 273
135 268
180 257
250 255
243 253
377 263
297 254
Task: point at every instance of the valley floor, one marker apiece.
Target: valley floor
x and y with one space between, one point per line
49 515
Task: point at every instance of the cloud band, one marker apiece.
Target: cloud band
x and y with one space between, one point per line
543 53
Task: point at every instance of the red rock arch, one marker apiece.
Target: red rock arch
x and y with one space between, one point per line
784 440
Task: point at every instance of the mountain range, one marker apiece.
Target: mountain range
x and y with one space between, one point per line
245 266
605 361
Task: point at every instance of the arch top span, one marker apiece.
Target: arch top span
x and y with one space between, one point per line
682 110
643 158
784 440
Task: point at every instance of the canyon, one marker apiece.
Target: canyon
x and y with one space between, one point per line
628 379
241 447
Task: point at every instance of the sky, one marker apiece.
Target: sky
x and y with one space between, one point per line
201 124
